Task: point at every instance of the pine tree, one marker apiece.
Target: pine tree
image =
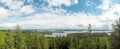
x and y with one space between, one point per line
89 40
20 38
44 42
9 40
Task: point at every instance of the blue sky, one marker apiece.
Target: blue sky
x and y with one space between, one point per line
58 14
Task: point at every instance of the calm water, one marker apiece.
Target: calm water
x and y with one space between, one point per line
65 33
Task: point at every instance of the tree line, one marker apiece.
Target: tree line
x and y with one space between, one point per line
17 39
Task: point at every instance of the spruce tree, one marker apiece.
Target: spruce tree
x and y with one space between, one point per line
20 38
115 35
9 40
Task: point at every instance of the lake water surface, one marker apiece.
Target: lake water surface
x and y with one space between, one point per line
65 33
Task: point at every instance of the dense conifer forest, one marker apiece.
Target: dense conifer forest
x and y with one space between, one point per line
17 39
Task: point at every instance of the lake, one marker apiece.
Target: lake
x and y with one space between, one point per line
65 33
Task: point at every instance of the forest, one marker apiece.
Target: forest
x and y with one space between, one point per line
17 39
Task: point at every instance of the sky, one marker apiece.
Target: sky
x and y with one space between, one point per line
59 14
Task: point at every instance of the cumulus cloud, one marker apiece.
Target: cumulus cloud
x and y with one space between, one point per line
111 10
62 2
27 9
50 20
13 4
105 4
4 13
88 2
69 21
7 25
59 18
16 8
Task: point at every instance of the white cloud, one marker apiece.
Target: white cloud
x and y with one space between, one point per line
27 9
70 21
59 18
3 13
48 20
88 2
112 13
105 4
15 9
13 4
61 2
7 25
55 11
75 2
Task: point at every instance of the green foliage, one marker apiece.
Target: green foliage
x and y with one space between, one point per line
104 43
20 39
9 40
2 40
115 35
36 40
